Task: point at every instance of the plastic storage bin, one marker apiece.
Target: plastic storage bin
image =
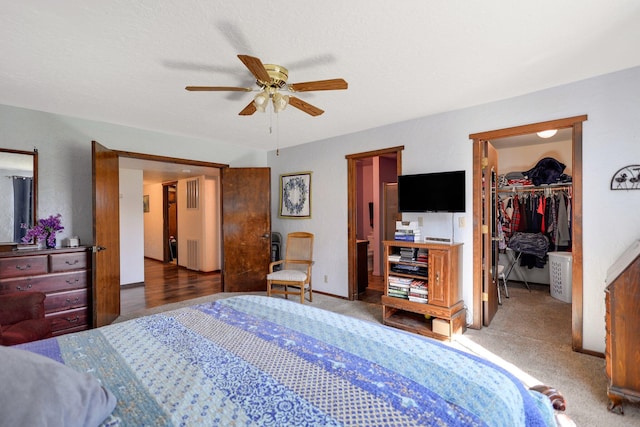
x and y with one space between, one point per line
560 275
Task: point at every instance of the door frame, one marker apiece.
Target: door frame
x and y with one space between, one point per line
352 210
576 216
101 318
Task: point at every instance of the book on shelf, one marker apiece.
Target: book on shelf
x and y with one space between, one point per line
398 294
400 280
406 237
418 291
408 232
408 254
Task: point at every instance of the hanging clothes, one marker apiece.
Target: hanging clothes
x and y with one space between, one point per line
564 234
546 211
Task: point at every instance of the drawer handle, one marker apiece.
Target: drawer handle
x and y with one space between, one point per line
72 281
20 288
77 300
23 267
75 261
73 319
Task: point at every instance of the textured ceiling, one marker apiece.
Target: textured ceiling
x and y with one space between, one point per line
127 62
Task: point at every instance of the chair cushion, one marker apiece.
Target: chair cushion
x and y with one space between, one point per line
38 391
288 275
25 331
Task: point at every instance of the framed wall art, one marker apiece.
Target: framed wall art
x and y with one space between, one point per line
627 178
295 195
145 203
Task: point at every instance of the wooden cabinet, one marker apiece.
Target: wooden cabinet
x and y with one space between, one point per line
64 275
442 315
363 265
622 302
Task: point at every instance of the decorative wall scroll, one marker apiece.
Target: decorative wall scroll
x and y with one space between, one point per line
627 178
295 195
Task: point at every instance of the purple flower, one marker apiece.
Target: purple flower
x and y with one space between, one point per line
45 229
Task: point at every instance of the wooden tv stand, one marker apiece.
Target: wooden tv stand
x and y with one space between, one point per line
443 315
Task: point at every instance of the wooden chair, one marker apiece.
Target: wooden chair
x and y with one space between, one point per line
296 268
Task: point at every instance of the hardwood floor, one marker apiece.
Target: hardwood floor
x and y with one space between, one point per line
374 290
165 283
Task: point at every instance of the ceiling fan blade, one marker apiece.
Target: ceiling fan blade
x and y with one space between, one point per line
248 110
304 106
218 88
256 67
332 84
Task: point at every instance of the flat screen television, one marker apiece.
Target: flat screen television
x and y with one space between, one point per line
432 192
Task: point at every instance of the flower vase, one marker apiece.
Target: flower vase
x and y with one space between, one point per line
46 242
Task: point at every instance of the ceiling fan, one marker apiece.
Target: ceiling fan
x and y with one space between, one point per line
270 79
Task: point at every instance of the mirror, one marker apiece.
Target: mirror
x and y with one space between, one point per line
18 191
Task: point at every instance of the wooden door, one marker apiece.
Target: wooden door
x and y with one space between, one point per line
246 228
489 244
438 278
106 230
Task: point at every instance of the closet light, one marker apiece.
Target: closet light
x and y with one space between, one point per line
547 133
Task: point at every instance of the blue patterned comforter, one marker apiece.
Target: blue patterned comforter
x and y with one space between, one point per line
258 361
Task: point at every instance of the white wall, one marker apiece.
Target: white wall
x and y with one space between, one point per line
131 227
441 142
520 159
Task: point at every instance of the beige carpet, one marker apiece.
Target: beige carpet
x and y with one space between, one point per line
530 336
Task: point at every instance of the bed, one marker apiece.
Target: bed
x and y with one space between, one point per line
256 361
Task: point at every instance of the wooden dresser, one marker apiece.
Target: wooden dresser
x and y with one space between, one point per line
622 300
64 275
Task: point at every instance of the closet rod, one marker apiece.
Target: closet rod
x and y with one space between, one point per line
531 189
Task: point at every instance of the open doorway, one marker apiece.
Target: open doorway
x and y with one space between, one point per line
170 208
485 263
149 245
369 198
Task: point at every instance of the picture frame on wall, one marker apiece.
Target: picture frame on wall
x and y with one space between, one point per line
145 203
295 195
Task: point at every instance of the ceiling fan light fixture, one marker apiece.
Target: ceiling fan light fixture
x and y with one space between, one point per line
280 102
261 100
547 133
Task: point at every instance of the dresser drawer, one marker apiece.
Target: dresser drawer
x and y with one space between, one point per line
61 301
68 261
23 266
64 320
46 283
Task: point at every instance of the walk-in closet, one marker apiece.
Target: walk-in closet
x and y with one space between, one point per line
534 195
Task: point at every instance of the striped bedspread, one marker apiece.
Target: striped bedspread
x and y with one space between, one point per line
258 361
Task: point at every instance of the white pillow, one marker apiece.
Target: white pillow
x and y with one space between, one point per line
38 391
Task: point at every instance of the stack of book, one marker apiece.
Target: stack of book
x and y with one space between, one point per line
408 254
418 292
394 257
399 287
407 231
422 256
408 235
